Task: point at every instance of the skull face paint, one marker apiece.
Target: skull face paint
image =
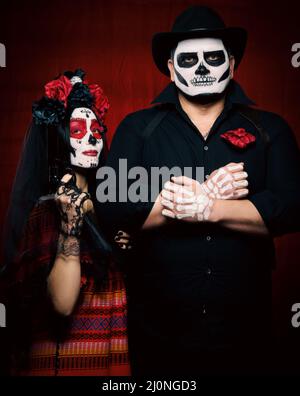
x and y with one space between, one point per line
201 66
85 138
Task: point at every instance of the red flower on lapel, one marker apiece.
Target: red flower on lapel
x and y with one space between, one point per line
239 137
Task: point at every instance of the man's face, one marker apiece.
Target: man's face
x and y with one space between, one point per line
85 138
201 66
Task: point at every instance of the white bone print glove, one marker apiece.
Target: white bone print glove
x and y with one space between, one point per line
228 182
185 198
181 203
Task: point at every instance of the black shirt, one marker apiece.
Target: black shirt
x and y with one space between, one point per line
184 268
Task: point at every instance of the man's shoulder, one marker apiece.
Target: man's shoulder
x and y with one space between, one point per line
269 116
273 123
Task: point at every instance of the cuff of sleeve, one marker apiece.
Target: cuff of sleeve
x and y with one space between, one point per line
267 204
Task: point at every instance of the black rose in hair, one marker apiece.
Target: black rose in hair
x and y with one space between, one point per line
48 111
80 96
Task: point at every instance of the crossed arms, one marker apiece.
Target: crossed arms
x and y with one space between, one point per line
273 210
218 200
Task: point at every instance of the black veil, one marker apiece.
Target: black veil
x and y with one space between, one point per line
29 184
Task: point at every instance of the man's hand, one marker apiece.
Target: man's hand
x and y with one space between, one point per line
228 182
183 204
187 199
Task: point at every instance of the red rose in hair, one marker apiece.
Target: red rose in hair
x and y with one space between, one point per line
239 137
59 89
101 102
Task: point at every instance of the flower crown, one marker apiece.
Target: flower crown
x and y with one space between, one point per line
62 95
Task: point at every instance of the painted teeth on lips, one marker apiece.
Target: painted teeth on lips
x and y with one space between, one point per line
203 81
203 84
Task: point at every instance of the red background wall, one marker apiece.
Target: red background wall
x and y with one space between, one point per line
111 40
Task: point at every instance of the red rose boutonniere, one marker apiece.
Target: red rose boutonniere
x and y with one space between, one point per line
239 137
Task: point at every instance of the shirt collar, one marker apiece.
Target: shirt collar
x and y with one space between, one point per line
235 95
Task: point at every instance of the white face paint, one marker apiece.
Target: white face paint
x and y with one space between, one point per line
85 138
201 66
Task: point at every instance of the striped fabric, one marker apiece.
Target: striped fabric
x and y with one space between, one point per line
93 340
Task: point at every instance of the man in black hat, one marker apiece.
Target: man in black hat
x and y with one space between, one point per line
199 275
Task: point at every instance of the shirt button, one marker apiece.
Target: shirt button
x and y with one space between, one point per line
208 238
205 148
208 271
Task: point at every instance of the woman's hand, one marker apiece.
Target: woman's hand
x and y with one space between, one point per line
123 240
72 204
65 276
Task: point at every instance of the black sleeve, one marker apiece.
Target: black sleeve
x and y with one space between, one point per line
123 214
279 203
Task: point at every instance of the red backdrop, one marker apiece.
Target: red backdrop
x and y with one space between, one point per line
111 40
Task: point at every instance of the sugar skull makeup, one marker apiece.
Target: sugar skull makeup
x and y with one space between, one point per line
201 66
85 138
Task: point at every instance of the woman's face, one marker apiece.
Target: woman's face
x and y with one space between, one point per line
85 138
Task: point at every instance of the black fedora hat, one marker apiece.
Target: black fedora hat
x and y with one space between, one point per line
197 22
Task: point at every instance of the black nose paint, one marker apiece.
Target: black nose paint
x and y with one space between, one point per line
202 70
92 140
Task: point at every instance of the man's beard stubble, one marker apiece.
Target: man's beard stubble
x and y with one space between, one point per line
205 99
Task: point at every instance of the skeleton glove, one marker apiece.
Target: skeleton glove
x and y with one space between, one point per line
185 198
228 182
181 203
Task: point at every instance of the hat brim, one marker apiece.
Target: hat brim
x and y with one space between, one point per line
162 43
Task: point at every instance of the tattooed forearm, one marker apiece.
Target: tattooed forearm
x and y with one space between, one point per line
68 245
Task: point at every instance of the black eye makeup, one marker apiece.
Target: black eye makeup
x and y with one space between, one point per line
187 59
214 58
